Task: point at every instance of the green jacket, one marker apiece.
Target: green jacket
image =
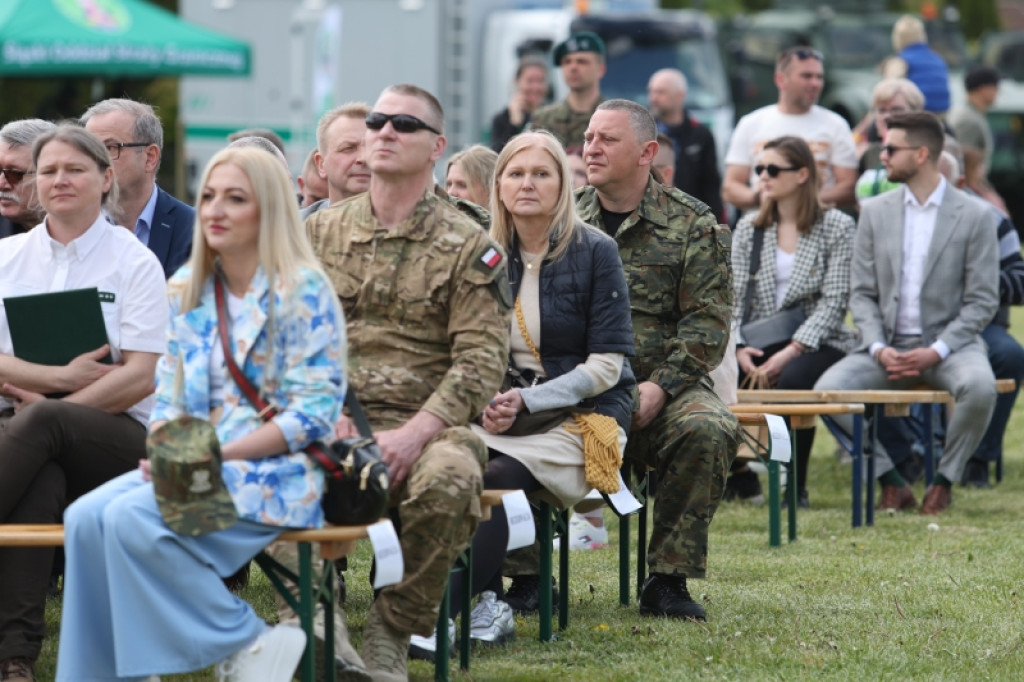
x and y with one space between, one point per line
678 269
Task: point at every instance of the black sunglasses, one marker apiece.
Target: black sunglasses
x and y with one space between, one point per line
891 149
806 53
14 176
402 123
773 170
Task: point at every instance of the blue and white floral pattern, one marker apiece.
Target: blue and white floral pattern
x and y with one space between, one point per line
304 380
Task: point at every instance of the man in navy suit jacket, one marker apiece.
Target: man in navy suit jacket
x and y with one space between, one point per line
134 136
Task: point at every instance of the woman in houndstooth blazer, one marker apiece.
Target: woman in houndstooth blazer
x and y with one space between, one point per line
805 262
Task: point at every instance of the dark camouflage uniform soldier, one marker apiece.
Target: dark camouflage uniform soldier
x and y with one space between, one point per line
426 301
581 59
677 264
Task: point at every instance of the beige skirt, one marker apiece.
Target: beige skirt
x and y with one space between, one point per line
555 458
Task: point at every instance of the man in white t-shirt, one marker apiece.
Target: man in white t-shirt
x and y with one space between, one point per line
799 76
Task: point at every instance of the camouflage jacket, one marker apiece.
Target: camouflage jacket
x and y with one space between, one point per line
677 262
562 122
426 307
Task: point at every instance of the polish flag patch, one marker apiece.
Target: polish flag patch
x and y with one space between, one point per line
491 258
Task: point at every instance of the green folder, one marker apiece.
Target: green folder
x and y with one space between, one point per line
55 328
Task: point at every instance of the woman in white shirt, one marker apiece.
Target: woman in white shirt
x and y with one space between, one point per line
805 263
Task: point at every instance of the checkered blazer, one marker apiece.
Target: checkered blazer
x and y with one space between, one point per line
820 283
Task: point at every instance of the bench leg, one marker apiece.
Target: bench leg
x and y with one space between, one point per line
774 505
929 445
869 511
546 571
563 569
442 650
467 599
624 572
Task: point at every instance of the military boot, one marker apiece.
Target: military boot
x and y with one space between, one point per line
384 649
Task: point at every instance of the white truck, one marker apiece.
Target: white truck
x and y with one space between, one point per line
310 55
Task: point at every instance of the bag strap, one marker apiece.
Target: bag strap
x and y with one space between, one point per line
324 456
526 335
755 266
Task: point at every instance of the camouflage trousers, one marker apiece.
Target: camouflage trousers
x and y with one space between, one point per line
438 512
690 445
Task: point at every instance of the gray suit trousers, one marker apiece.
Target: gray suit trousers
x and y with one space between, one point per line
965 374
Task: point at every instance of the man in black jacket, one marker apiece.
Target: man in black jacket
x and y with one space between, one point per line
696 161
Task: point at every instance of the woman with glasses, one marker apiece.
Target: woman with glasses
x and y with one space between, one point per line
804 255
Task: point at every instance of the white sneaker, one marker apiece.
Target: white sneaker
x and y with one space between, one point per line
491 621
271 657
425 648
584 535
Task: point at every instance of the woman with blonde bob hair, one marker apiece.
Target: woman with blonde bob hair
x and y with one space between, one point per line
570 334
804 258
143 592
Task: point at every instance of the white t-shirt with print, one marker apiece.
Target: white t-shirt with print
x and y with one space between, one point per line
826 132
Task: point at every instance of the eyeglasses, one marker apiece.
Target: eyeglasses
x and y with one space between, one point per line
773 170
14 176
891 149
806 53
402 123
891 110
114 148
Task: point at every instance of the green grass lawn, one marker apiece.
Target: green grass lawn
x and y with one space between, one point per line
893 601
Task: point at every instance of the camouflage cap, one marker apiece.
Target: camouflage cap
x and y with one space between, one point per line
583 41
185 463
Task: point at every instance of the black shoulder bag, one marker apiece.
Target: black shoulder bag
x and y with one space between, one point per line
776 328
356 478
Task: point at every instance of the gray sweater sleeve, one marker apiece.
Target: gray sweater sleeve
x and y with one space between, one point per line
600 372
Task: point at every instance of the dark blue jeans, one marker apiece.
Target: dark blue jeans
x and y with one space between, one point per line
1007 359
901 435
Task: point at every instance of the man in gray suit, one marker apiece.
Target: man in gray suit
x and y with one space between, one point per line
924 283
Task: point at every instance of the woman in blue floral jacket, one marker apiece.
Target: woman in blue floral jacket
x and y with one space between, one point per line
140 599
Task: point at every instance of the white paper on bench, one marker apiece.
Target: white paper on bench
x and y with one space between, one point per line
622 500
387 551
521 530
780 438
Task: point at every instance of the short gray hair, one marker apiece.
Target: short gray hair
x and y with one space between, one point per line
640 120
147 127
353 110
260 143
24 132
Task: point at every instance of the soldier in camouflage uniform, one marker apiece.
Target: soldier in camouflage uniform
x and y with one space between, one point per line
581 59
426 300
677 265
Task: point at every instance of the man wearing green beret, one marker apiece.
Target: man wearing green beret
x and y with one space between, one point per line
581 58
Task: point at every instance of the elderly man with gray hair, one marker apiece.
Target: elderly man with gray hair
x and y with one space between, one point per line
19 207
134 138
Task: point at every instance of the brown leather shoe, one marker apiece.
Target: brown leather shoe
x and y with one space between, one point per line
17 670
936 500
897 498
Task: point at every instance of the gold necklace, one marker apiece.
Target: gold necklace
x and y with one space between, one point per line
530 261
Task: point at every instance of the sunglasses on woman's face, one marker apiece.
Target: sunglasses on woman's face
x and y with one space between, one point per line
773 170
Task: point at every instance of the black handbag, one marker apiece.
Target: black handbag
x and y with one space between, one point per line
776 328
528 423
356 477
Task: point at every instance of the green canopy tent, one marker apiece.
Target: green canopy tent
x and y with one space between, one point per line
110 38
